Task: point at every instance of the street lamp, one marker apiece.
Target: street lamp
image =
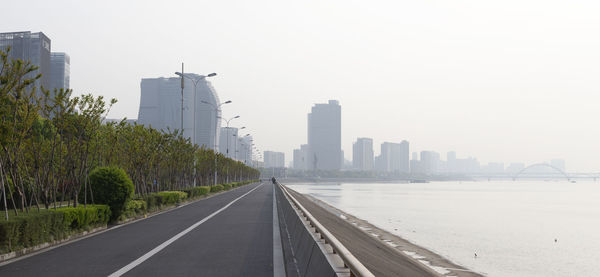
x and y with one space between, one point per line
216 107
195 82
227 152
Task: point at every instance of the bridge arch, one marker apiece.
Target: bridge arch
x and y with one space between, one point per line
542 165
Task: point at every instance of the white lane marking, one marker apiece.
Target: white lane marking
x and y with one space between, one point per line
157 249
278 267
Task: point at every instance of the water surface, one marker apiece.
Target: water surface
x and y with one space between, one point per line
511 226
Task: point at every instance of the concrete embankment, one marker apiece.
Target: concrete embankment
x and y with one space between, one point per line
381 252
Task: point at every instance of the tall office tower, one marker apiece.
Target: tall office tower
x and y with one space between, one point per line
301 157
160 107
227 141
394 157
362 154
60 71
325 136
404 157
430 161
274 159
244 152
28 46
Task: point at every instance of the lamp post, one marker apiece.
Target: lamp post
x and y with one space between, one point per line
227 152
195 82
216 107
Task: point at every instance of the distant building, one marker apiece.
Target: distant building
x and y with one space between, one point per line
274 159
60 71
325 136
33 47
394 157
160 107
493 168
301 158
244 151
227 141
430 161
362 154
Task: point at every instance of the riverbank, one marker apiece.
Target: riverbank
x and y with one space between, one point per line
383 253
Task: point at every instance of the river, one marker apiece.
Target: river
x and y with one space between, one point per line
515 228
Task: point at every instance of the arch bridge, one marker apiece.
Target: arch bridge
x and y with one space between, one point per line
542 165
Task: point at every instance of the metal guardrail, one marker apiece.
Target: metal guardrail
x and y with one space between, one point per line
356 267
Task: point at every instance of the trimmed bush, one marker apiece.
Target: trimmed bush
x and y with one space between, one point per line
34 228
157 200
134 208
111 186
226 186
216 188
197 191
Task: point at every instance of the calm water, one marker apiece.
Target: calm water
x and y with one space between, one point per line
510 225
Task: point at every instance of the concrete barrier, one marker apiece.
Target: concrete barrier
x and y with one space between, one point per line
305 250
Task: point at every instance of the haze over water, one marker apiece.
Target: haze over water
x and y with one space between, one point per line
512 226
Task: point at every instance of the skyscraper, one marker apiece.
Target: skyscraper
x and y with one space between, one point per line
33 47
160 107
274 159
362 154
227 140
325 136
394 157
60 71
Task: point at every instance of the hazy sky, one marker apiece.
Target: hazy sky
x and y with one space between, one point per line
499 80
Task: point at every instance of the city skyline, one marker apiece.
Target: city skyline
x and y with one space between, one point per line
493 89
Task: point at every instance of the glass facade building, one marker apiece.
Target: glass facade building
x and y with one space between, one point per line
33 47
60 71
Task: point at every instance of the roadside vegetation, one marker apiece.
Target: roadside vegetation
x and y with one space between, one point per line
58 161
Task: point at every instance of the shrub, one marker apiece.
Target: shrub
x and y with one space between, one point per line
197 191
164 198
134 208
111 186
34 228
226 186
216 188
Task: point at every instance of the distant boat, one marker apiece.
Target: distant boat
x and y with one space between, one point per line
418 181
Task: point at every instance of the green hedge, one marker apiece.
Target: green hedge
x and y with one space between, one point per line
157 200
34 228
197 191
216 188
226 186
134 208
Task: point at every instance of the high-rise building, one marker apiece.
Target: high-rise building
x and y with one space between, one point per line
60 71
244 151
33 47
227 141
301 157
394 157
274 159
362 154
325 136
160 107
430 161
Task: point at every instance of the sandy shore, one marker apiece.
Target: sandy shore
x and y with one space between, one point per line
383 253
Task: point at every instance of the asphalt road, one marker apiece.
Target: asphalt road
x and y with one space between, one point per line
235 240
